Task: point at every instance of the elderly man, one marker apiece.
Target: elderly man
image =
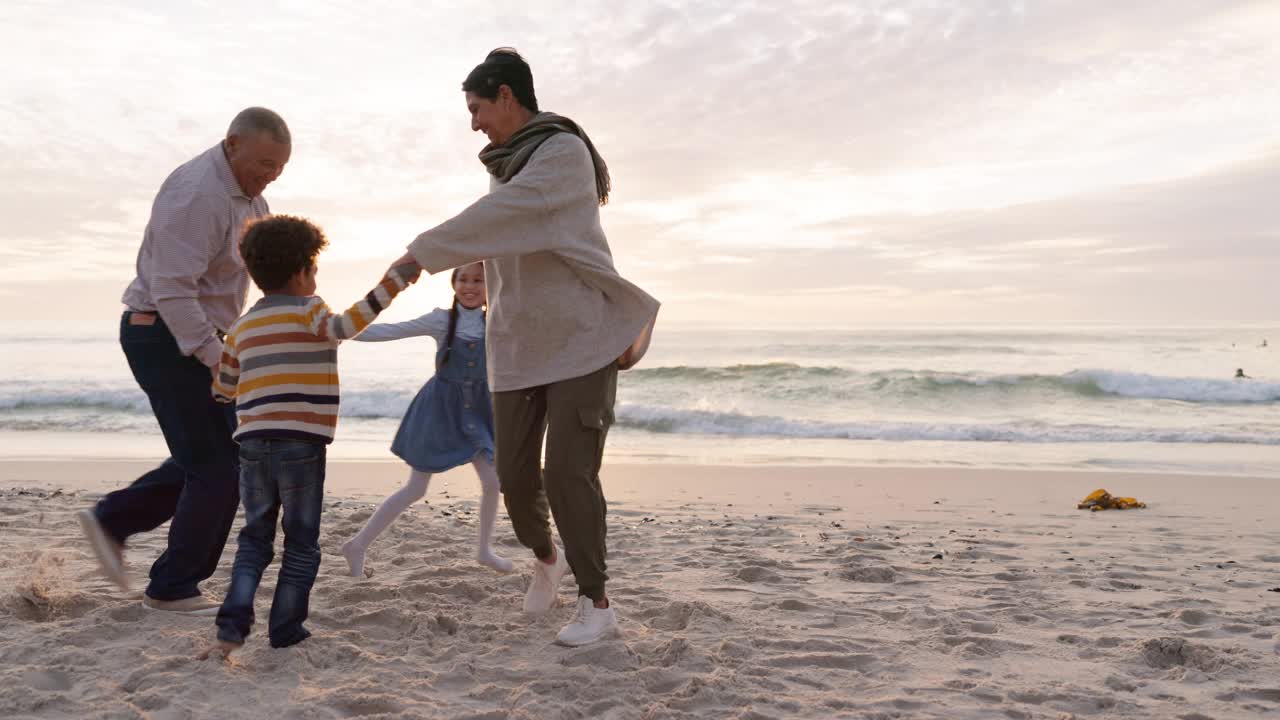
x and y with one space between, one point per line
191 285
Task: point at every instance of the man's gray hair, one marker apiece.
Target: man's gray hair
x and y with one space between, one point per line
259 119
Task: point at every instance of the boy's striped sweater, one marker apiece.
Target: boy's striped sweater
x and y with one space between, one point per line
280 361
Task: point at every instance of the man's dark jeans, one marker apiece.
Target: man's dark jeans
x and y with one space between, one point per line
276 473
196 486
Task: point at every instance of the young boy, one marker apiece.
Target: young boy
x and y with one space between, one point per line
279 364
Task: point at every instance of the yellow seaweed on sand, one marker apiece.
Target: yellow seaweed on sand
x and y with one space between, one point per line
1103 500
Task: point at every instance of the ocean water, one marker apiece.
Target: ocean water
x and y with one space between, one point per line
1147 399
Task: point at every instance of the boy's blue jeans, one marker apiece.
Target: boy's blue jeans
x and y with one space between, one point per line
274 474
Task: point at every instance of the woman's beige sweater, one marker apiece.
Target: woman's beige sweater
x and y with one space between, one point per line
557 307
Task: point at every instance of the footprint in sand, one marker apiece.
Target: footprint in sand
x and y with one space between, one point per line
678 615
366 593
382 622
796 605
860 662
1163 653
1119 684
986 695
615 656
361 704
1194 617
671 652
982 646
733 650
48 680
757 574
1267 694
869 575
128 612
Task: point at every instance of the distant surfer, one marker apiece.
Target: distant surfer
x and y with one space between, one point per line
1240 374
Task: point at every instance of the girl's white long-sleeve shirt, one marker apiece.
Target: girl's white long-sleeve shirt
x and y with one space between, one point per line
434 324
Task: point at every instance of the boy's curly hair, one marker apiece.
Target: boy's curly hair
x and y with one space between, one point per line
276 248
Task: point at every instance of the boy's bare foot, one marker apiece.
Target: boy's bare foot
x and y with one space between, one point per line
220 649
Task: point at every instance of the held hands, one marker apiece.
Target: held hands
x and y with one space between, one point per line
217 396
409 266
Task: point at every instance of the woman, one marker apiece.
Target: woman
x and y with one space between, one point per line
561 321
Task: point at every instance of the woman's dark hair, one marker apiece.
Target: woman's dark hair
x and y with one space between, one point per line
503 66
453 321
278 247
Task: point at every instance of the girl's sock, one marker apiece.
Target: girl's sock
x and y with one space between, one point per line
489 492
387 512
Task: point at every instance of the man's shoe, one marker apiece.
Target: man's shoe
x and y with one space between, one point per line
198 605
589 624
110 553
546 578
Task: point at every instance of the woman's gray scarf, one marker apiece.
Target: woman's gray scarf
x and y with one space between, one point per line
504 161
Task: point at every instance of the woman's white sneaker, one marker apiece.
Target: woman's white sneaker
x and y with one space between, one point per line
589 624
546 579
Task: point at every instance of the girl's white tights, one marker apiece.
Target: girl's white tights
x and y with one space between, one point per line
415 490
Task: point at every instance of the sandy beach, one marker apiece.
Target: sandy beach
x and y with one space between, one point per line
742 592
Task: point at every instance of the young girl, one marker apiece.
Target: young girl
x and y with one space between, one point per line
450 422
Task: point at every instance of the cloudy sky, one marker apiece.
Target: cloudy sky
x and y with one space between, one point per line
826 163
